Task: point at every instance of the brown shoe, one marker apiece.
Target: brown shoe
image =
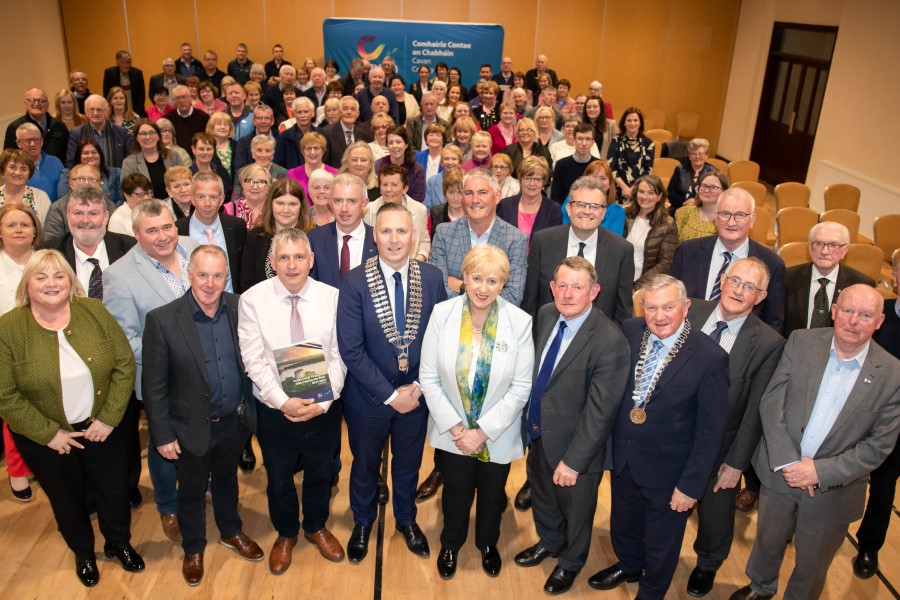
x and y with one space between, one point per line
192 569
243 545
280 556
170 527
430 486
745 593
746 500
328 545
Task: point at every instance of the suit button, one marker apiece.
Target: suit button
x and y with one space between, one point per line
99 392
90 360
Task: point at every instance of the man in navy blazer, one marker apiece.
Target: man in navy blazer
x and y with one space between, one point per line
665 440
328 243
336 134
699 263
381 396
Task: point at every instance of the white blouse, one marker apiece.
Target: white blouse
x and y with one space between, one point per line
638 237
77 384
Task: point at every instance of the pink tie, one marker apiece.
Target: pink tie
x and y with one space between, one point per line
210 238
296 323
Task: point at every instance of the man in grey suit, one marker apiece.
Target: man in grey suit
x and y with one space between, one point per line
151 274
754 349
579 382
830 416
416 126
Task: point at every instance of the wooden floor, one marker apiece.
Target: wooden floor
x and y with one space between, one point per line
35 563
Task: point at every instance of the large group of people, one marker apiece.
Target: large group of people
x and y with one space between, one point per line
457 265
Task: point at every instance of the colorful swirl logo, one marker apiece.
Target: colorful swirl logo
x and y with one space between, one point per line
361 48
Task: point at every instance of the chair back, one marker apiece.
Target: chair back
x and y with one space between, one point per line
719 164
847 218
664 167
866 259
637 298
654 118
757 190
688 124
759 233
842 195
794 253
743 170
887 233
794 224
659 137
791 193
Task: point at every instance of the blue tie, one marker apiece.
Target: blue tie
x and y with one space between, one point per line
399 301
716 335
717 286
649 369
540 384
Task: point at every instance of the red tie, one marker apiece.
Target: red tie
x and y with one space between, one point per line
345 256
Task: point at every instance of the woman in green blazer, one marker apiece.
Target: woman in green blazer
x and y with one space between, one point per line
66 376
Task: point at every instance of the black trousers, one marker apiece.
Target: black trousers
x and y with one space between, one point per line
882 485
463 476
130 426
218 467
65 478
715 526
283 443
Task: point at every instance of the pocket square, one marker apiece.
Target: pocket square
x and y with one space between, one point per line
500 346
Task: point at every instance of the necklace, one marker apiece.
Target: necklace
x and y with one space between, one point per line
386 316
638 414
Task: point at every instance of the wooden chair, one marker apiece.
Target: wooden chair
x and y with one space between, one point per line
760 231
791 193
664 167
719 164
847 218
688 124
887 233
757 190
794 253
865 259
659 137
654 118
638 307
743 170
842 195
794 224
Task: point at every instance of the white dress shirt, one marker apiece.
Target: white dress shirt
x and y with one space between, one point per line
83 268
814 285
389 284
354 244
590 246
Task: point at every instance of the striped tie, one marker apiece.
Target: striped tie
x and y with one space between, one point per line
717 286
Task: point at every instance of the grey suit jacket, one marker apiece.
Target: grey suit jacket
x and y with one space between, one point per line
751 363
862 436
451 243
136 163
132 287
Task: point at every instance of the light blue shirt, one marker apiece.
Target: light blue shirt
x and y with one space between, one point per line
197 230
668 343
838 379
481 240
572 327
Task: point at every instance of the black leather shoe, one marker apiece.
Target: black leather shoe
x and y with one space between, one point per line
865 564
611 577
358 545
135 499
700 582
384 495
490 560
86 570
746 593
430 486
127 555
247 461
523 497
531 557
22 495
560 581
415 540
446 563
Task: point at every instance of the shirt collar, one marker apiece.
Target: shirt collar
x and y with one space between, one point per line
487 232
832 277
742 251
82 256
357 234
200 227
734 325
197 312
389 271
283 293
591 242
859 357
575 323
668 342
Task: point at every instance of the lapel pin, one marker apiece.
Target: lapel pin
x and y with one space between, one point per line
867 380
500 346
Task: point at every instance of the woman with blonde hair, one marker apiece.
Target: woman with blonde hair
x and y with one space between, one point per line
167 134
66 105
531 210
221 127
358 160
526 144
380 124
255 181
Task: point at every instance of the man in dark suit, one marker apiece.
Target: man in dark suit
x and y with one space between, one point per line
376 87
356 74
196 394
114 140
54 131
830 416
380 326
211 70
318 92
416 126
343 133
128 78
187 65
811 288
263 124
754 349
208 226
700 263
540 67
168 79
568 422
665 440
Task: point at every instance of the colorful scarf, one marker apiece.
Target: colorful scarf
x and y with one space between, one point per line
473 399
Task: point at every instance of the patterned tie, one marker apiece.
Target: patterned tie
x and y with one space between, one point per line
399 302
296 323
581 246
716 335
717 286
649 368
95 283
820 316
349 135
540 384
345 255
210 236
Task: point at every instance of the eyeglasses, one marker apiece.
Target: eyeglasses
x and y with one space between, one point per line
30 141
533 179
587 205
37 101
85 179
739 217
735 283
832 246
252 182
706 187
146 134
141 195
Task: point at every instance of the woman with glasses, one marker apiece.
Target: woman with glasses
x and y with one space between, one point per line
167 134
530 210
255 181
527 144
262 151
686 178
380 123
504 132
358 160
697 218
545 119
312 146
16 167
150 158
135 188
208 99
501 168
650 229
89 153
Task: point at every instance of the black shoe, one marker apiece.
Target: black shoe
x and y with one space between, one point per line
490 560
384 495
415 540
22 495
430 486
247 461
560 580
135 499
523 497
86 570
446 563
611 577
358 545
865 564
533 556
127 555
700 582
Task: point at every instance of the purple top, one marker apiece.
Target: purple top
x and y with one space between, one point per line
414 172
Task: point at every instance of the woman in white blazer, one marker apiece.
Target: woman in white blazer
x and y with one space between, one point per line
475 372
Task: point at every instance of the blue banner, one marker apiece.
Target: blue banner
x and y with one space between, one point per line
413 44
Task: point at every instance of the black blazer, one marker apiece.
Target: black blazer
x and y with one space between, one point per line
157 81
253 262
327 265
614 263
138 92
796 283
691 265
174 380
117 245
751 363
337 143
235 232
514 152
242 155
549 213
118 140
888 335
414 128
